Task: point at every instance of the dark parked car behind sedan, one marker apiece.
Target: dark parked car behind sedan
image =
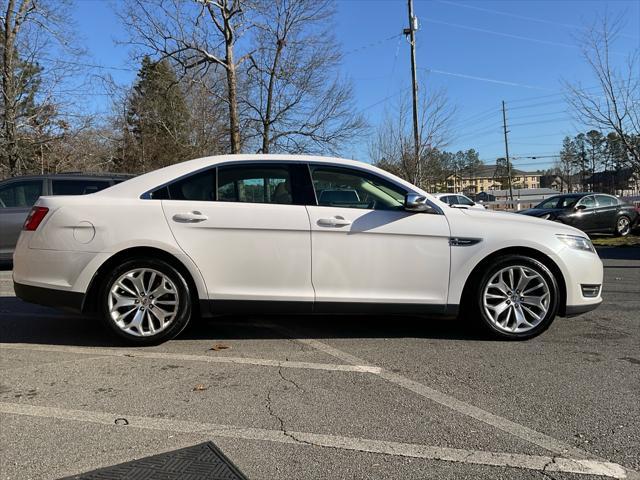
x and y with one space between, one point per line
590 212
18 194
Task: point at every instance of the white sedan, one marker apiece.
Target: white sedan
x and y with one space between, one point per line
457 200
284 233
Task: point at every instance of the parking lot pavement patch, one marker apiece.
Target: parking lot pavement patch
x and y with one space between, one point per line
199 462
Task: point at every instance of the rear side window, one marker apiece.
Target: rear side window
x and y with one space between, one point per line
78 187
255 184
20 194
606 201
200 186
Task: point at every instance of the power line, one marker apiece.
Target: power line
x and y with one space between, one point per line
559 119
372 44
502 34
522 17
484 79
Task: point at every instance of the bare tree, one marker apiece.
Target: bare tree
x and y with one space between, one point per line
297 101
40 75
616 106
392 146
195 34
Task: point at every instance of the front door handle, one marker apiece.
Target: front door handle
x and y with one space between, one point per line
336 221
189 217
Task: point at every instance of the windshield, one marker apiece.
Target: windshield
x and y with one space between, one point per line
559 202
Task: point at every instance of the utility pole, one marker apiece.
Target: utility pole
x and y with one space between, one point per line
413 26
506 150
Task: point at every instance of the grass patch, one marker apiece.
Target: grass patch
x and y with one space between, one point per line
611 241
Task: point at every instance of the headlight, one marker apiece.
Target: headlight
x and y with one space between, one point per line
577 242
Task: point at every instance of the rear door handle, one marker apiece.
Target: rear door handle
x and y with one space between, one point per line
189 217
336 221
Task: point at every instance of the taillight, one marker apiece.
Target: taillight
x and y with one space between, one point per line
35 217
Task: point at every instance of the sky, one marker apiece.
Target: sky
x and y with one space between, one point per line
480 52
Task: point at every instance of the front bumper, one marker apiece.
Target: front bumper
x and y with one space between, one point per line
575 310
50 297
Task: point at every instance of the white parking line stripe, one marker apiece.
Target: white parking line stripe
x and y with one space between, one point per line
191 358
514 460
501 423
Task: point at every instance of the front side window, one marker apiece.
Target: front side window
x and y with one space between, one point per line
78 187
255 184
20 194
341 187
568 202
589 202
462 200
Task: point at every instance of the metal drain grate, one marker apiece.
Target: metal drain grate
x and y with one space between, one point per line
200 462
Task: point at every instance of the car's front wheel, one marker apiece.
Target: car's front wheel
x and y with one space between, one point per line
516 297
623 226
145 301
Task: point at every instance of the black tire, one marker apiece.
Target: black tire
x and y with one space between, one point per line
181 293
623 226
477 301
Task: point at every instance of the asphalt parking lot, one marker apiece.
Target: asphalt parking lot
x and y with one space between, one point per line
330 397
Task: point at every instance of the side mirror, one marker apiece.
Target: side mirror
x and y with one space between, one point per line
457 205
581 207
416 203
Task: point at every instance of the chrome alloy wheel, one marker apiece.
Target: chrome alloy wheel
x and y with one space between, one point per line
516 299
143 302
623 226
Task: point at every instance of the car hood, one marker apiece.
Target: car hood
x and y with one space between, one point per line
507 224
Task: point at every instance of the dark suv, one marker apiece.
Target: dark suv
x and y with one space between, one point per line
18 194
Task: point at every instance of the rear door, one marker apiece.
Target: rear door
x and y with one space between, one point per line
606 213
367 250
16 199
246 228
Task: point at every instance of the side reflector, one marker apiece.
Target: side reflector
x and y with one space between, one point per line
35 217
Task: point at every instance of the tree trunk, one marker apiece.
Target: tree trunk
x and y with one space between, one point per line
266 136
10 153
232 85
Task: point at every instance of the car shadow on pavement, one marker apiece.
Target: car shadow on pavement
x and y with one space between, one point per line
26 323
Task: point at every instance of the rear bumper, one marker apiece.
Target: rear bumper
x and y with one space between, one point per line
50 297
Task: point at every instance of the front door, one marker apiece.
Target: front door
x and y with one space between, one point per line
585 218
367 249
246 229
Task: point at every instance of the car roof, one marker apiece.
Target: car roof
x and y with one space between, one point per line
71 175
148 181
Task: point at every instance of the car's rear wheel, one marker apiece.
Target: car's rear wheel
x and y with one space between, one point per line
517 298
145 301
623 226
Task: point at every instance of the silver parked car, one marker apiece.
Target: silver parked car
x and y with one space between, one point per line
18 194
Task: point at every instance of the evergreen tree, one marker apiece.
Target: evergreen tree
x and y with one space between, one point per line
157 121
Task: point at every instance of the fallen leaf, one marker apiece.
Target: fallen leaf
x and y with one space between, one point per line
199 387
220 346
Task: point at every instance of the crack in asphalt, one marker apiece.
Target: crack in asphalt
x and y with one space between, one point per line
289 380
547 465
272 413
